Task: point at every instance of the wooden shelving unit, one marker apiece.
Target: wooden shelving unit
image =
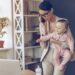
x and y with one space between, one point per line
31 30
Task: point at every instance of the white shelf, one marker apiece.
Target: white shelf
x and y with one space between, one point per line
31 31
31 15
5 49
30 62
33 47
31 22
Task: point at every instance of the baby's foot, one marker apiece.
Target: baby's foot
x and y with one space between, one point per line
61 67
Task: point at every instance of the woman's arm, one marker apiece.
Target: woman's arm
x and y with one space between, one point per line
42 33
70 40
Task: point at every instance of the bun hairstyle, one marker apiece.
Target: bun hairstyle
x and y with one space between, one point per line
45 5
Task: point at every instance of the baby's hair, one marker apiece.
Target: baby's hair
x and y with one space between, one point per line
66 23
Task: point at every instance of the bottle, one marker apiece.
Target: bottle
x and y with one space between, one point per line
38 70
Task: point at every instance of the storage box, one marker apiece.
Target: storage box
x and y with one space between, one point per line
28 59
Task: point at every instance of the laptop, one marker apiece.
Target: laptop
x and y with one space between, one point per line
9 67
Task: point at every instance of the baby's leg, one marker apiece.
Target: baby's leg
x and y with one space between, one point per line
56 57
65 59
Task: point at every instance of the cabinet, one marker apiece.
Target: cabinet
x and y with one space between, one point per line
6 53
31 30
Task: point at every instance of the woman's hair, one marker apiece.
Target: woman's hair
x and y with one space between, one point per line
45 5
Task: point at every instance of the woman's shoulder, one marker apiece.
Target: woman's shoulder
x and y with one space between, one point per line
61 19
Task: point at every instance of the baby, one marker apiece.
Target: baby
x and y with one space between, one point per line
60 42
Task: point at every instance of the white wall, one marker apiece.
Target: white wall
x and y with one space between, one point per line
5 8
5 11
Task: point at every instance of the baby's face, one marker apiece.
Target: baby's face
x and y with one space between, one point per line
60 28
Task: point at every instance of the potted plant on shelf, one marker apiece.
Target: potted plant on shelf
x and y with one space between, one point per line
4 21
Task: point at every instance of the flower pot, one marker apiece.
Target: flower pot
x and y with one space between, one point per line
1 44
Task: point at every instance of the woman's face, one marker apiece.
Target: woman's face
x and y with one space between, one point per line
45 15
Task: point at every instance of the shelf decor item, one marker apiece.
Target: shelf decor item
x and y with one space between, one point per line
4 21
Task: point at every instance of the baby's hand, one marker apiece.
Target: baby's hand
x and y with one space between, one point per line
38 40
55 36
41 39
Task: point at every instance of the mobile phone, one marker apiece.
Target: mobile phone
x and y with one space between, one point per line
43 20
